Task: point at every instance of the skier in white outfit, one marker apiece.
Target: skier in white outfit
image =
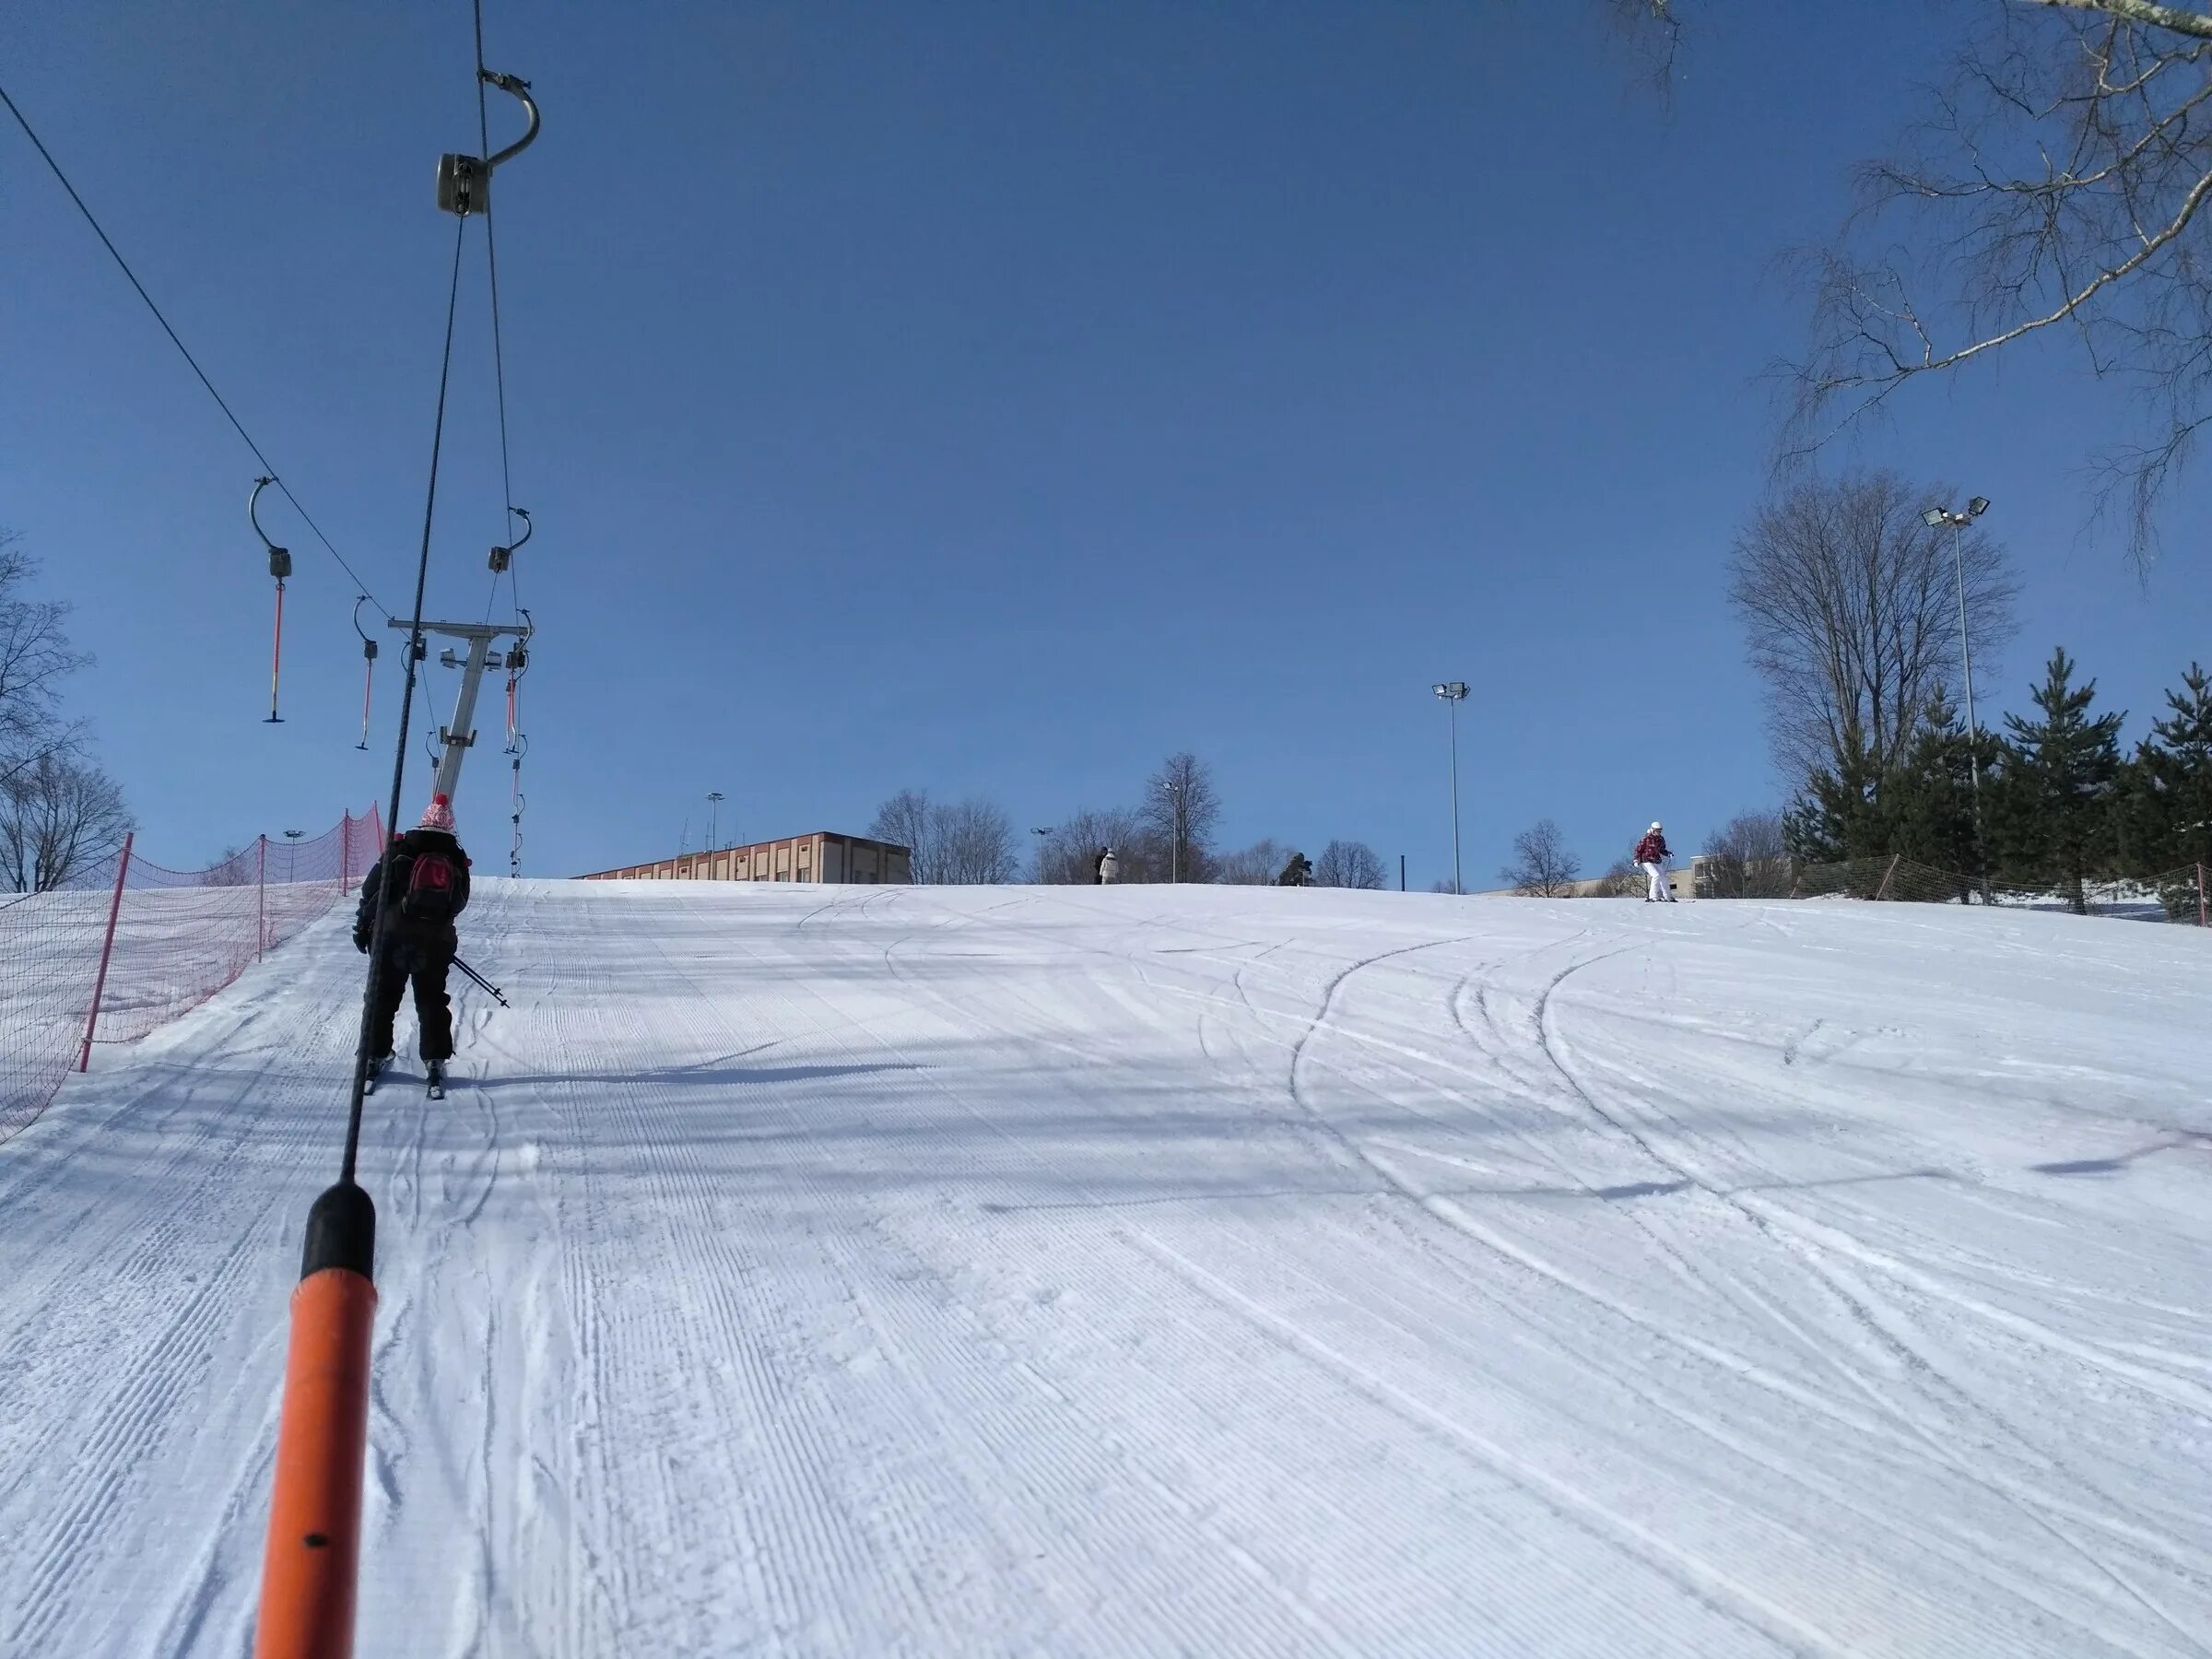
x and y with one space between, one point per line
1651 854
1109 867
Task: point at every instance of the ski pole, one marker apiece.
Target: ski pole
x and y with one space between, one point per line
483 982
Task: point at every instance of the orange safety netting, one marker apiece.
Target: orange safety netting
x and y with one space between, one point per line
124 945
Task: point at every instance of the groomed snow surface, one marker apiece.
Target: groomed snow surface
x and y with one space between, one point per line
856 1271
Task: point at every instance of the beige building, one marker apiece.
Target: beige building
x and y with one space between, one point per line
819 857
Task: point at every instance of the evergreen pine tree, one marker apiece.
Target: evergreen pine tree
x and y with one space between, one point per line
1840 816
2176 764
2060 773
1930 800
2168 820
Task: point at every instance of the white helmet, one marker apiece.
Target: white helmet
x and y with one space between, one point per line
1654 823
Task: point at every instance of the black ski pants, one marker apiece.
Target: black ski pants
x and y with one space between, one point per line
424 962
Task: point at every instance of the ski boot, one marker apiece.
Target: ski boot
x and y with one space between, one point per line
377 1067
436 1070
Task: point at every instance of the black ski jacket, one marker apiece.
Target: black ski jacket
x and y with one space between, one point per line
399 860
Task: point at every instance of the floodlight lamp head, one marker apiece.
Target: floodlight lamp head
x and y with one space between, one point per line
1977 507
1934 518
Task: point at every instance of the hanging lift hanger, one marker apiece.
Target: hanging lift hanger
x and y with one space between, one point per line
369 671
280 567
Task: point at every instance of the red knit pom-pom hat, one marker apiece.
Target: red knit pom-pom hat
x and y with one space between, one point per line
439 815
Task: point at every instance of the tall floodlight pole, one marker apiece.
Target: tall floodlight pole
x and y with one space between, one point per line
1175 831
1454 692
714 800
1937 518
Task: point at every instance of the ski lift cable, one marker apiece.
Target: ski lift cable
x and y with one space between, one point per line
193 363
310 1571
407 708
485 79
491 259
464 189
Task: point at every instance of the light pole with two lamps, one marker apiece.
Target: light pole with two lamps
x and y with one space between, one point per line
1454 692
1174 791
1938 518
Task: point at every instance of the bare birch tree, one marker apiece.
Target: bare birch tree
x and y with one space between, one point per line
1745 858
35 657
1851 610
233 867
1348 863
1256 865
1622 879
1181 809
960 843
58 817
972 844
904 821
1542 866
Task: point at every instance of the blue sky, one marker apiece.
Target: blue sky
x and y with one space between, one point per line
987 398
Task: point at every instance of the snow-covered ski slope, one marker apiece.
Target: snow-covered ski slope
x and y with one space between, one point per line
1129 1272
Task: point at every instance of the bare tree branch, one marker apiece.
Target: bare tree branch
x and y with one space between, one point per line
2060 177
2180 20
1653 34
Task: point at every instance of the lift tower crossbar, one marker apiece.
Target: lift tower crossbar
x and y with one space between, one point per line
460 738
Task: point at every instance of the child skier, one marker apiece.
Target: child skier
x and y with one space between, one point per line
1651 854
419 887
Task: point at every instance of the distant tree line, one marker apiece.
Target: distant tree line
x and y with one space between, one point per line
1169 834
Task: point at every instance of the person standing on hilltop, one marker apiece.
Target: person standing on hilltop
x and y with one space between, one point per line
1108 869
418 887
1651 854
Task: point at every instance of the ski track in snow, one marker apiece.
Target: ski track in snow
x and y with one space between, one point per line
865 1271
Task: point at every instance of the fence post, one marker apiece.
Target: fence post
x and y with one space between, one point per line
261 898
2200 896
345 853
1887 877
100 985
